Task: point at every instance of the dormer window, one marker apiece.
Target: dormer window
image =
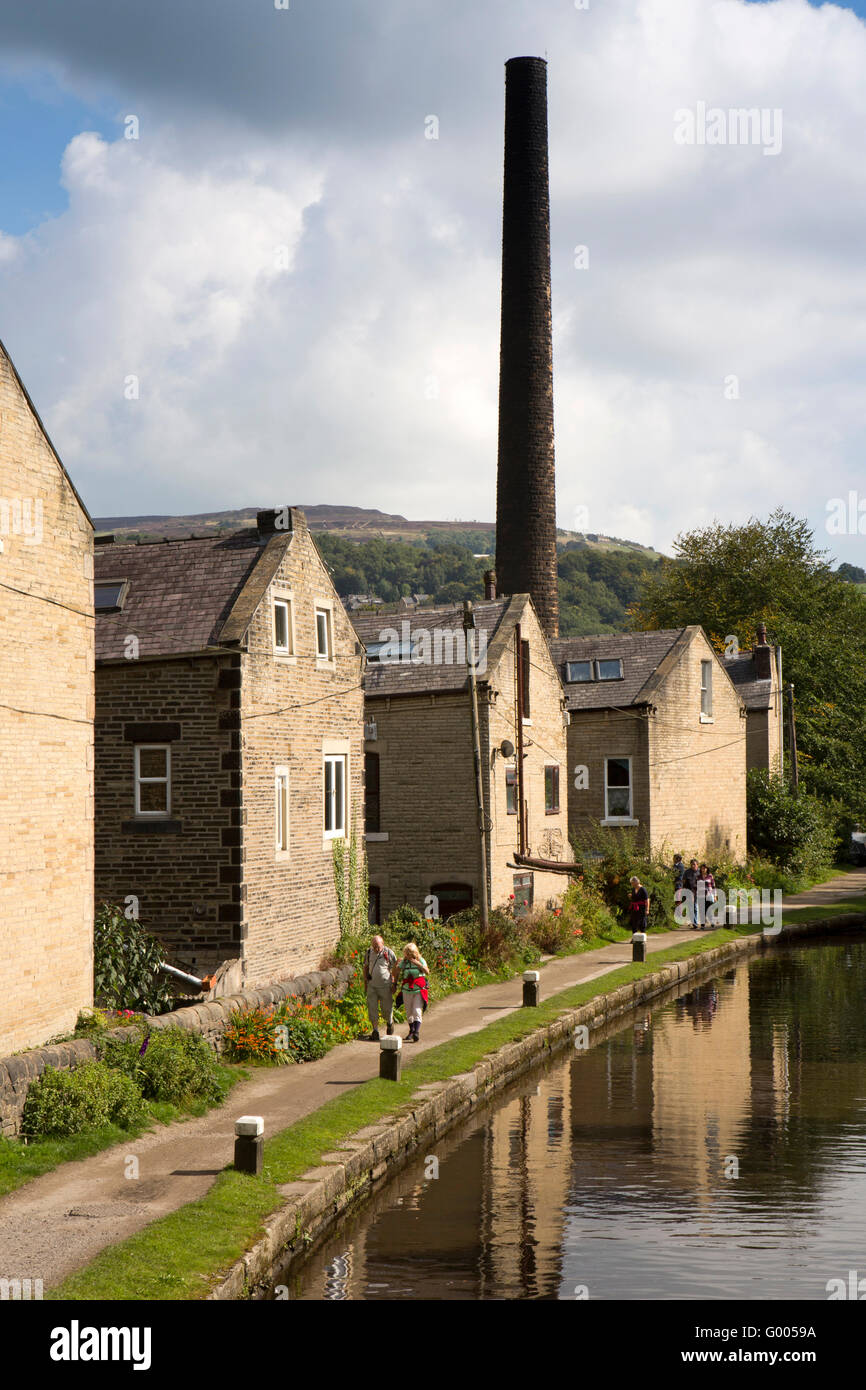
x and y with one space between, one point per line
581 672
610 670
109 595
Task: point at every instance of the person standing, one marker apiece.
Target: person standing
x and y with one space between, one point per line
690 885
411 977
639 905
706 893
379 963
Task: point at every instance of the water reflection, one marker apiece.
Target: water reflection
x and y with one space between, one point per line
715 1148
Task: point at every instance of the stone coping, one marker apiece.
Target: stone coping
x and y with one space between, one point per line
315 1202
209 1019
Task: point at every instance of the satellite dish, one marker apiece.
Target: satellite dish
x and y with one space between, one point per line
506 748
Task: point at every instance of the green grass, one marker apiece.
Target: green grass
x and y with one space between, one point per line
181 1255
812 914
20 1162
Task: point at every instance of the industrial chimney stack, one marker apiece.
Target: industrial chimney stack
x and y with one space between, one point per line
526 486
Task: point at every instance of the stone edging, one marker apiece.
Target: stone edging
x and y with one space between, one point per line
210 1020
317 1199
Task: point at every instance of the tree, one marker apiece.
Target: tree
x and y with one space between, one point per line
730 578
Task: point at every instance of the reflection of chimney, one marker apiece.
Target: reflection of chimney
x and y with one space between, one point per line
762 654
489 584
526 489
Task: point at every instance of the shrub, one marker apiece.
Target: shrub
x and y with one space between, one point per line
609 857
169 1064
797 832
125 965
86 1097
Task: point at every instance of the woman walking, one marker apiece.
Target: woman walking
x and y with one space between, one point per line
411 977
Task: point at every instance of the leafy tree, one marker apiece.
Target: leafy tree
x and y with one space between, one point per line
729 578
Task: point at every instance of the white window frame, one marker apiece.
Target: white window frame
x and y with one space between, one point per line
284 596
147 781
320 606
281 813
707 690
620 819
340 832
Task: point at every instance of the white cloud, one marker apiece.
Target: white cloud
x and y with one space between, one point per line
365 371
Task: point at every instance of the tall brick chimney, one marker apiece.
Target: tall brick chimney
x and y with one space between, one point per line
526 486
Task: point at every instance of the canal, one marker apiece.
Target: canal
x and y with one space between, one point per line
713 1148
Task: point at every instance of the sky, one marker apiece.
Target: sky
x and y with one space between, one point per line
249 255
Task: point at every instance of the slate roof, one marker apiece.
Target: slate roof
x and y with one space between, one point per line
403 678
641 653
755 694
180 592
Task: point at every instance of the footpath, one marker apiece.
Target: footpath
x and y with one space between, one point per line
60 1221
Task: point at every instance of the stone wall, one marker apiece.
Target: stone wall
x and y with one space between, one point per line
209 1019
46 733
294 710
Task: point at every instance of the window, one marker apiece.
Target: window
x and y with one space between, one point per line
706 690
579 672
284 643
335 795
109 595
511 791
452 897
323 634
374 905
617 788
527 666
610 670
281 810
371 793
152 779
551 790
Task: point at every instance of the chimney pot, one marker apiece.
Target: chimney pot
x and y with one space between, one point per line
761 654
489 584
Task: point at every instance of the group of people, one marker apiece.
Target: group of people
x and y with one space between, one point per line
699 882
390 982
696 880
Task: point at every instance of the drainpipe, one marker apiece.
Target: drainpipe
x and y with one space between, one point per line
190 980
521 804
469 630
792 730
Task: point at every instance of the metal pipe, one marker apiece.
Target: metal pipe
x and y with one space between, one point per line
521 806
780 710
203 985
469 629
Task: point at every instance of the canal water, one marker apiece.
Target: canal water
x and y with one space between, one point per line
713 1148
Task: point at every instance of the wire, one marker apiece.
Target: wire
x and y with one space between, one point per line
43 598
304 704
47 714
703 751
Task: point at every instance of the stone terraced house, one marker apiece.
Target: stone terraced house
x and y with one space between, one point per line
422 824
229 745
46 732
656 742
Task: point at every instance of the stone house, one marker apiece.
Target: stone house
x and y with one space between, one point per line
46 731
656 742
229 724
757 676
422 823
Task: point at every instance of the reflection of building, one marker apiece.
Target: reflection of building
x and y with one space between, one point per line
702 1081
489 1226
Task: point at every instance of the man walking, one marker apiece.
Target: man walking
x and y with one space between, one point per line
690 884
379 962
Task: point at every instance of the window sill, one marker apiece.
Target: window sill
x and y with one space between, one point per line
376 835
707 719
620 820
286 658
151 827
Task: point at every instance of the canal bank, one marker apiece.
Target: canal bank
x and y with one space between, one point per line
319 1198
181 1254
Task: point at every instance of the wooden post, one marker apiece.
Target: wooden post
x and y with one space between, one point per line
390 1058
531 989
249 1144
638 946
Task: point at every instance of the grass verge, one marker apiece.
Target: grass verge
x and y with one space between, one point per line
181 1255
20 1162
